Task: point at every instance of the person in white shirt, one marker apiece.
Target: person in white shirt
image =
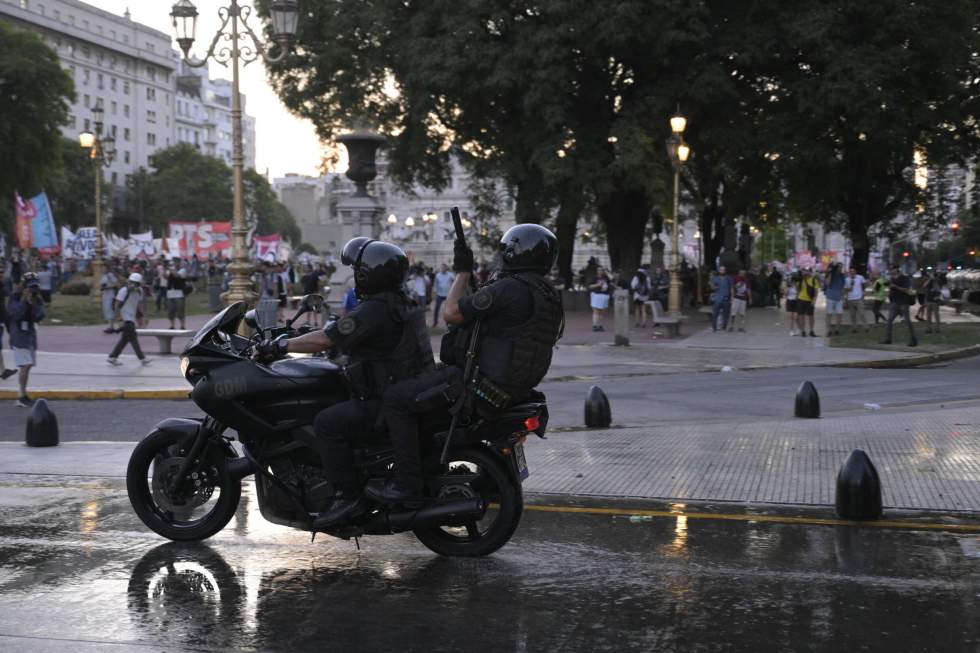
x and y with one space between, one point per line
854 289
444 281
127 307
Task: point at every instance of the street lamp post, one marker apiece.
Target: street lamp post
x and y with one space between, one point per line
243 47
102 151
678 151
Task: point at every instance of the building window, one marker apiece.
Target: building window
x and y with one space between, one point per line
71 19
87 101
112 83
166 121
57 15
151 94
151 116
151 73
125 133
101 81
40 9
126 110
112 62
113 131
71 121
72 69
126 39
71 49
88 125
115 178
125 88
86 52
151 139
23 4
126 156
85 74
112 34
115 107
99 29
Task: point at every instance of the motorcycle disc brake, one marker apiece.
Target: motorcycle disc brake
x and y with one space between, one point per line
164 471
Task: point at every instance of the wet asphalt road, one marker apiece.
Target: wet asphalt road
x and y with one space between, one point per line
78 572
635 401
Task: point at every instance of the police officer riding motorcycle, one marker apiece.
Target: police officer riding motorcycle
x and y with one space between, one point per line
311 430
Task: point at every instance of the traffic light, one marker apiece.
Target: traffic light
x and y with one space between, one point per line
905 254
954 227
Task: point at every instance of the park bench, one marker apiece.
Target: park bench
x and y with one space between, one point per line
673 324
166 336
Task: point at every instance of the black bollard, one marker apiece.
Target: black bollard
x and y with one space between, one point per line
597 412
807 401
42 426
858 488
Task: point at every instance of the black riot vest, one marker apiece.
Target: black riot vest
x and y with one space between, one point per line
518 356
370 375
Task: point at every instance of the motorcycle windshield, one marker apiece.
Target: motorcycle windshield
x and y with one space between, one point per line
227 320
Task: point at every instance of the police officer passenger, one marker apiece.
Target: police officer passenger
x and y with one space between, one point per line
386 340
521 319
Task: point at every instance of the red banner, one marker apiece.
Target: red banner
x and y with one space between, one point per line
202 238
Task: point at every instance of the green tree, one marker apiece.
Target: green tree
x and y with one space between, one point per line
34 101
71 189
264 210
870 84
186 185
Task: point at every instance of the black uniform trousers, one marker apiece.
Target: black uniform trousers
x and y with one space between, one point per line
339 427
402 413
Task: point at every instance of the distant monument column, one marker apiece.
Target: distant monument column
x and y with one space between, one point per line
361 213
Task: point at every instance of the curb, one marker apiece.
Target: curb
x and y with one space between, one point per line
100 394
911 361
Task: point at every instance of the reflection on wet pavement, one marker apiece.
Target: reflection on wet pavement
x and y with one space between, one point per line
77 569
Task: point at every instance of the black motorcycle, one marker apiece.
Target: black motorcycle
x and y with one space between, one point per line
184 478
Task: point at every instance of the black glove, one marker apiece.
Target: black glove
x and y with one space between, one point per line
462 257
269 350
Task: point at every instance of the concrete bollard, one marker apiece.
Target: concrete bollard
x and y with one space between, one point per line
597 411
858 488
42 426
621 317
807 401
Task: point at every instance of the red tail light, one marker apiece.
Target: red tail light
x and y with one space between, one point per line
532 423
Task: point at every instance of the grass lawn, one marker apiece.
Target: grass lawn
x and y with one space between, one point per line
952 336
78 310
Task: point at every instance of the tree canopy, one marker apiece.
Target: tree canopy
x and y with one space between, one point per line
810 110
34 102
186 185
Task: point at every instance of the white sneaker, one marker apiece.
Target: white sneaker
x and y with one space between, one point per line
145 362
113 361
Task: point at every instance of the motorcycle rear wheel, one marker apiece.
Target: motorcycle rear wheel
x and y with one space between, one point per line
173 517
481 474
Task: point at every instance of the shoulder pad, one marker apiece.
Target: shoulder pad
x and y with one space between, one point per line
483 299
346 325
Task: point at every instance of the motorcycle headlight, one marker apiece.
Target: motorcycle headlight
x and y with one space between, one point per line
184 364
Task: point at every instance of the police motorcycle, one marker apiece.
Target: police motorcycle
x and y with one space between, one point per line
184 478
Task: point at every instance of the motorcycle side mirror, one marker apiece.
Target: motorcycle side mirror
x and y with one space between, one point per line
306 304
252 320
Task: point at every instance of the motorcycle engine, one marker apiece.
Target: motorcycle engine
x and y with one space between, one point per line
308 480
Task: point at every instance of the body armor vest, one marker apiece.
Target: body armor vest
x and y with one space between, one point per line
518 357
370 375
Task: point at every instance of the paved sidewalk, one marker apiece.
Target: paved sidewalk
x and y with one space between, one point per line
926 460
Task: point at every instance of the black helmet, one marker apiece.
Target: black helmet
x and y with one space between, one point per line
528 247
378 266
352 250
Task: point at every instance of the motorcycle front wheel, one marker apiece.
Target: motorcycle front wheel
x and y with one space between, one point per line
203 504
476 473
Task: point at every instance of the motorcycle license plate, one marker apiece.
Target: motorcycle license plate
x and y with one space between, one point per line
521 461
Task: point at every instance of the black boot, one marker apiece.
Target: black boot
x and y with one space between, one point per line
394 493
344 507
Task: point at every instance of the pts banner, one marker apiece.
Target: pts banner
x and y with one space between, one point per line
201 238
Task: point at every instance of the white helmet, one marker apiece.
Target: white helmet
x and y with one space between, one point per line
136 278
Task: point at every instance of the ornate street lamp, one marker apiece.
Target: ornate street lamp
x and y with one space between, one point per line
102 151
679 152
243 47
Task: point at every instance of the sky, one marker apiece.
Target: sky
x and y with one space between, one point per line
284 143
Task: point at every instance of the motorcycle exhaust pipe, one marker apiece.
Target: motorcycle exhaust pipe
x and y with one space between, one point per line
239 468
401 520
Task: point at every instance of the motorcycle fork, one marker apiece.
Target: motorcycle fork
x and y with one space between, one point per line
198 449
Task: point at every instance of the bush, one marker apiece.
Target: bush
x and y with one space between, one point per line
76 288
